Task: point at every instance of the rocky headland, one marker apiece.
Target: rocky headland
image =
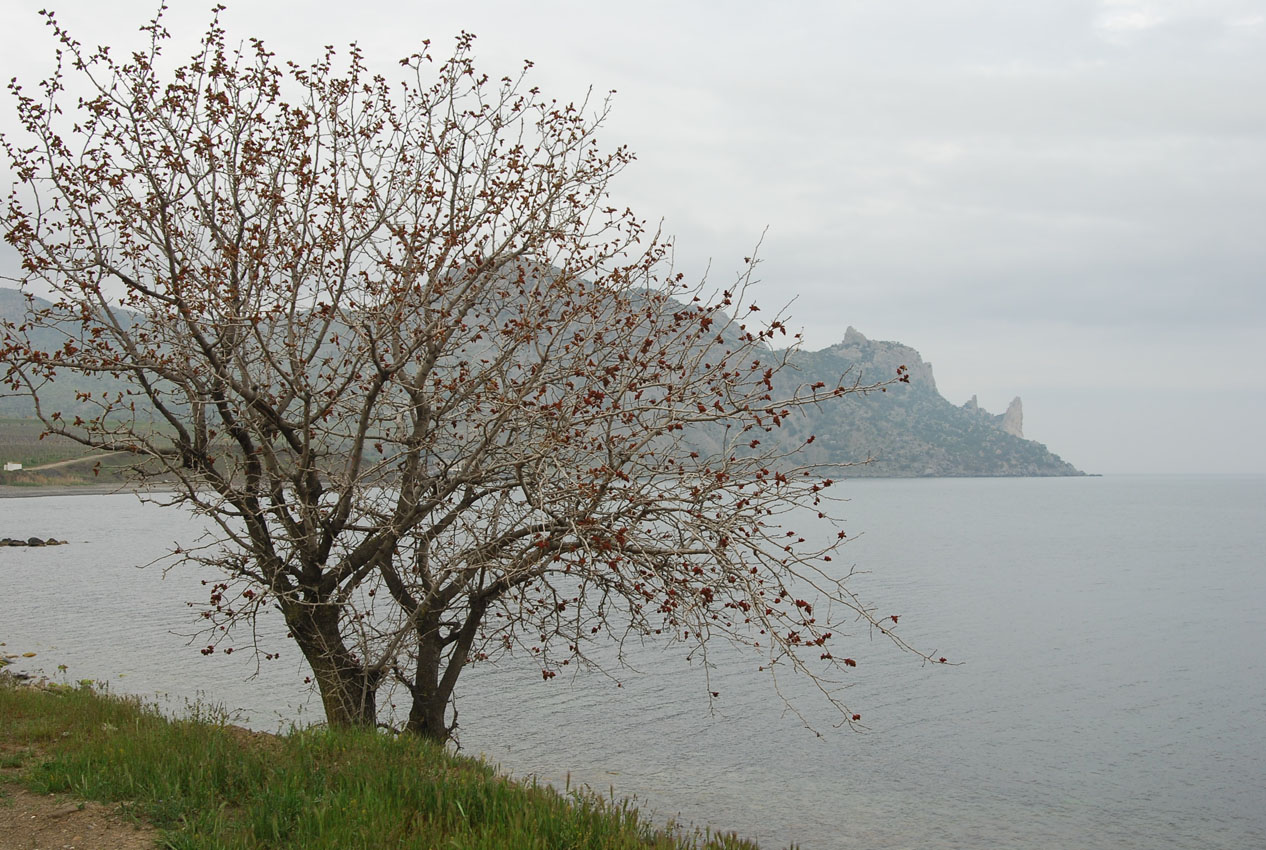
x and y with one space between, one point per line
911 430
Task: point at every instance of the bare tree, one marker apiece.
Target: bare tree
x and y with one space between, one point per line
439 399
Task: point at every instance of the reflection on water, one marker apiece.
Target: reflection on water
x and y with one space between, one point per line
1111 694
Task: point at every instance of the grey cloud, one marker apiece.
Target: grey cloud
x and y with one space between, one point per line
1001 185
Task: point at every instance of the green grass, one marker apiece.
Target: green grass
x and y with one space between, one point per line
207 785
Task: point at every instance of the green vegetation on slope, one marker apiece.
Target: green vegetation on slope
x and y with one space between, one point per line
64 461
20 442
209 785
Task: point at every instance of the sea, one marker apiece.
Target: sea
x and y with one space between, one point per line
1106 685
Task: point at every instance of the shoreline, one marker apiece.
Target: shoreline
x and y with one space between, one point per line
9 491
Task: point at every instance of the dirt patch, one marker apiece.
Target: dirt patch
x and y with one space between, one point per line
57 822
30 821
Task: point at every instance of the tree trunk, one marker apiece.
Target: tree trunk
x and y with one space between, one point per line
426 717
348 691
430 699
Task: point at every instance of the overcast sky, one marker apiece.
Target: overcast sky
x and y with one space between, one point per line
1063 200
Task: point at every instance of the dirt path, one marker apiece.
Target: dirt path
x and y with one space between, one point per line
30 821
58 822
61 463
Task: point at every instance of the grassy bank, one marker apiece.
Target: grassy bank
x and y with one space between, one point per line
210 785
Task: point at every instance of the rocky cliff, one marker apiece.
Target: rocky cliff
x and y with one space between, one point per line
1012 421
911 430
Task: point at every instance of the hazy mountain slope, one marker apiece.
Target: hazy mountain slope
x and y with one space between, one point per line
60 396
910 430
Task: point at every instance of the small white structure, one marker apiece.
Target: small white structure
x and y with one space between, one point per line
12 467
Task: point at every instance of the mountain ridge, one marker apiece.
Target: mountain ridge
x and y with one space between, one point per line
907 430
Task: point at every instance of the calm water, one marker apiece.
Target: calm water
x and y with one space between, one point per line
1112 695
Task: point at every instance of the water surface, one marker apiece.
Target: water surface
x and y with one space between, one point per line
1112 633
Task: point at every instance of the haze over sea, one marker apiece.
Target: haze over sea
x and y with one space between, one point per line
1112 634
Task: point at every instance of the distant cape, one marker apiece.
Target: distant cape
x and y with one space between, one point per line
911 430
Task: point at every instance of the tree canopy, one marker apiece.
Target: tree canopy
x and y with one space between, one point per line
438 397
